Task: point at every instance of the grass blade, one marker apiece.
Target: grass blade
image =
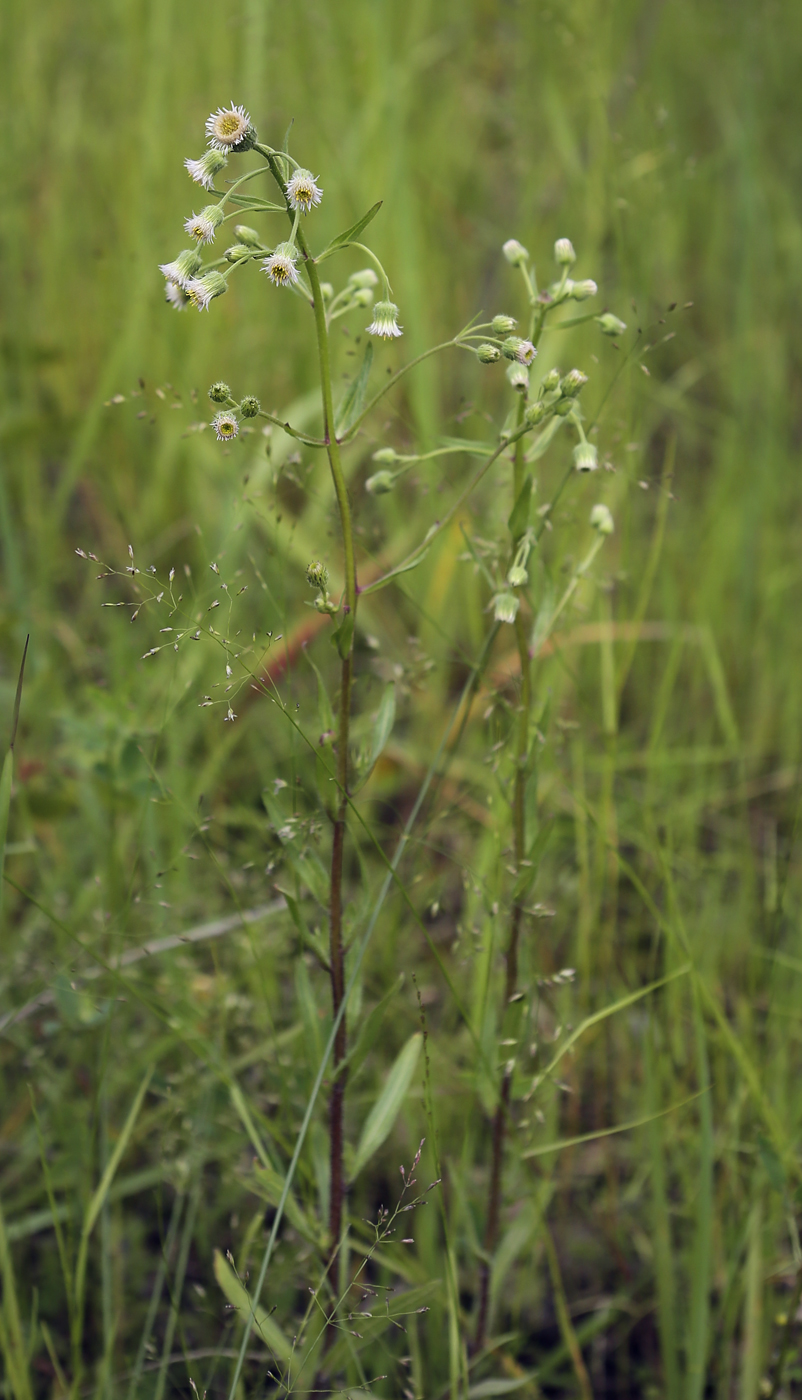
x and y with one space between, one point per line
382 1116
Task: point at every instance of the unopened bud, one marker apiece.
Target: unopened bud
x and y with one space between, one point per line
572 382
250 406
363 296
248 236
219 392
517 576
586 458
564 252
505 607
317 575
551 381
366 278
580 291
326 291
237 252
602 520
488 354
515 252
380 483
518 376
563 407
503 325
513 348
386 455
535 414
610 324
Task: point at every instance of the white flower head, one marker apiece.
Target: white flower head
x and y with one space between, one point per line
203 290
280 266
385 320
203 226
183 268
505 607
176 296
229 129
226 426
586 458
203 171
303 191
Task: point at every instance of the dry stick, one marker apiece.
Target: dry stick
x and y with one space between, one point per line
336 952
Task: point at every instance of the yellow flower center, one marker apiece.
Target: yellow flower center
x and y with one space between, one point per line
229 125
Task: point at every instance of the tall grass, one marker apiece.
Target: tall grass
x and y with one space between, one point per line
657 1260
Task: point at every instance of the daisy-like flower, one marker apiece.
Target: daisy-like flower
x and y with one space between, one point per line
203 226
303 191
176 296
514 348
203 290
226 426
229 129
280 266
385 320
203 171
183 268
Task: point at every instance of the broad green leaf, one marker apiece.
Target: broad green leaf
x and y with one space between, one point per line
239 1298
382 1116
351 233
519 517
354 397
269 1184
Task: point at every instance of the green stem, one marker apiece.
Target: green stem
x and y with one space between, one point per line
336 951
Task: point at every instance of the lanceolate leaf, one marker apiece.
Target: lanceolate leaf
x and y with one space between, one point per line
382 1116
350 233
239 1298
354 399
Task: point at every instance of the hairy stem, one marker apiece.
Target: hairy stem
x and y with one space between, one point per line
336 951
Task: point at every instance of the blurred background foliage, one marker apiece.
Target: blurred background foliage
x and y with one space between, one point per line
662 138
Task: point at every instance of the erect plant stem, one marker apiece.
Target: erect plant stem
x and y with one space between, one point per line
336 950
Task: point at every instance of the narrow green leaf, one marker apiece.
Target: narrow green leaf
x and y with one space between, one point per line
485 1389
102 1188
343 636
395 573
519 517
12 1342
702 1256
382 1116
355 395
239 1298
369 1030
385 719
324 710
351 233
467 445
527 875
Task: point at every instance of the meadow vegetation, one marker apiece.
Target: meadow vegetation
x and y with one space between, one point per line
601 1181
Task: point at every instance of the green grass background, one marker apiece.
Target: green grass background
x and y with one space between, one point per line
663 139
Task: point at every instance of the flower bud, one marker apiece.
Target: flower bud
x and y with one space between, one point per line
580 291
572 382
237 252
326 291
488 354
586 458
550 381
505 607
386 455
203 171
219 392
564 252
535 414
317 575
513 348
363 296
517 576
366 278
250 406
503 325
515 252
610 324
380 483
518 376
248 235
385 320
563 407
602 520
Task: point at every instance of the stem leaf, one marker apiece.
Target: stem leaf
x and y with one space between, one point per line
240 1299
354 397
382 1116
343 239
519 516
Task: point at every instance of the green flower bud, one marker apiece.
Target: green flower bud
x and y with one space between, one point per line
535 414
219 392
610 324
602 520
515 252
513 348
326 291
236 252
366 278
248 235
518 376
517 576
250 406
564 252
363 296
380 483
551 381
572 382
580 291
563 407
386 455
488 354
505 607
317 575
503 325
586 458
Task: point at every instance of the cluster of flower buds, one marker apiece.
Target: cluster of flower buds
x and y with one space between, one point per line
226 422
317 576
